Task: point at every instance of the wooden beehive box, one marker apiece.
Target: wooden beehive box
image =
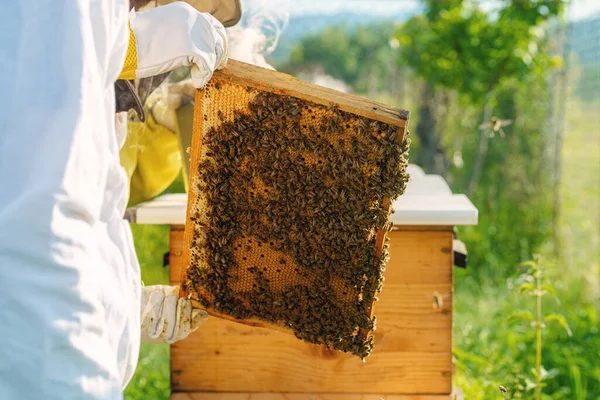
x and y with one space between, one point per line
290 193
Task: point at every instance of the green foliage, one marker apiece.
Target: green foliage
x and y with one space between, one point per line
456 45
491 352
333 41
347 55
533 285
561 320
499 61
513 194
588 82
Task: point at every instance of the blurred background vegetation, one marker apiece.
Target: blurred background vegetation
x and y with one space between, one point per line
456 65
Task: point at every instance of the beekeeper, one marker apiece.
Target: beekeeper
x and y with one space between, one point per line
70 294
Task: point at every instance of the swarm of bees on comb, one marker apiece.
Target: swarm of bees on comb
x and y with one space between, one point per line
288 211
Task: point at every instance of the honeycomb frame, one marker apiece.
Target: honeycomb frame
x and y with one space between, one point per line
289 203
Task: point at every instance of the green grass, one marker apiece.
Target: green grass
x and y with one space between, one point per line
580 194
151 380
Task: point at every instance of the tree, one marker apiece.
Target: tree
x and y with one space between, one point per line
457 46
495 61
362 57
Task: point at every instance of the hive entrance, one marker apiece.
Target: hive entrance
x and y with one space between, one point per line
288 208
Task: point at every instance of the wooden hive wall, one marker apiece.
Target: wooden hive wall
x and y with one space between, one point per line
412 357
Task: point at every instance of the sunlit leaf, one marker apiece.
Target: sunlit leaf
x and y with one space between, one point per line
521 315
466 356
550 290
561 320
526 287
530 264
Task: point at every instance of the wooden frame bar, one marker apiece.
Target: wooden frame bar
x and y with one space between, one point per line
277 82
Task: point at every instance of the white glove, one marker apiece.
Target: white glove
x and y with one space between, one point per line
165 317
180 93
176 35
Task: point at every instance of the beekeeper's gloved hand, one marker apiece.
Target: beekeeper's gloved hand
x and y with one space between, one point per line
168 37
165 317
180 93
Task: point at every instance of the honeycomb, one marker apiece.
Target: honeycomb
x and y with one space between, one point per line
288 210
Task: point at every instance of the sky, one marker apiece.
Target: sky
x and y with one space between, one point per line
577 9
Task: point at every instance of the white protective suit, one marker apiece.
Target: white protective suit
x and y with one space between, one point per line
69 277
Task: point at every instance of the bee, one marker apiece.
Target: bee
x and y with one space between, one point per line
364 123
495 125
333 106
438 300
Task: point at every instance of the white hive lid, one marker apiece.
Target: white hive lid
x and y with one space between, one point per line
428 200
168 209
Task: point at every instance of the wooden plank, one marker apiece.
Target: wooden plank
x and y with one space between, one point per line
188 234
175 254
264 79
417 298
428 253
413 306
185 125
413 340
286 366
428 228
302 396
424 340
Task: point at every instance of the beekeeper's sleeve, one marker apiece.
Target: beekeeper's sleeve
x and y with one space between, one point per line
69 282
171 36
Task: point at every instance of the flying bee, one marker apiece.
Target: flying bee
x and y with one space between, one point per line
495 125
